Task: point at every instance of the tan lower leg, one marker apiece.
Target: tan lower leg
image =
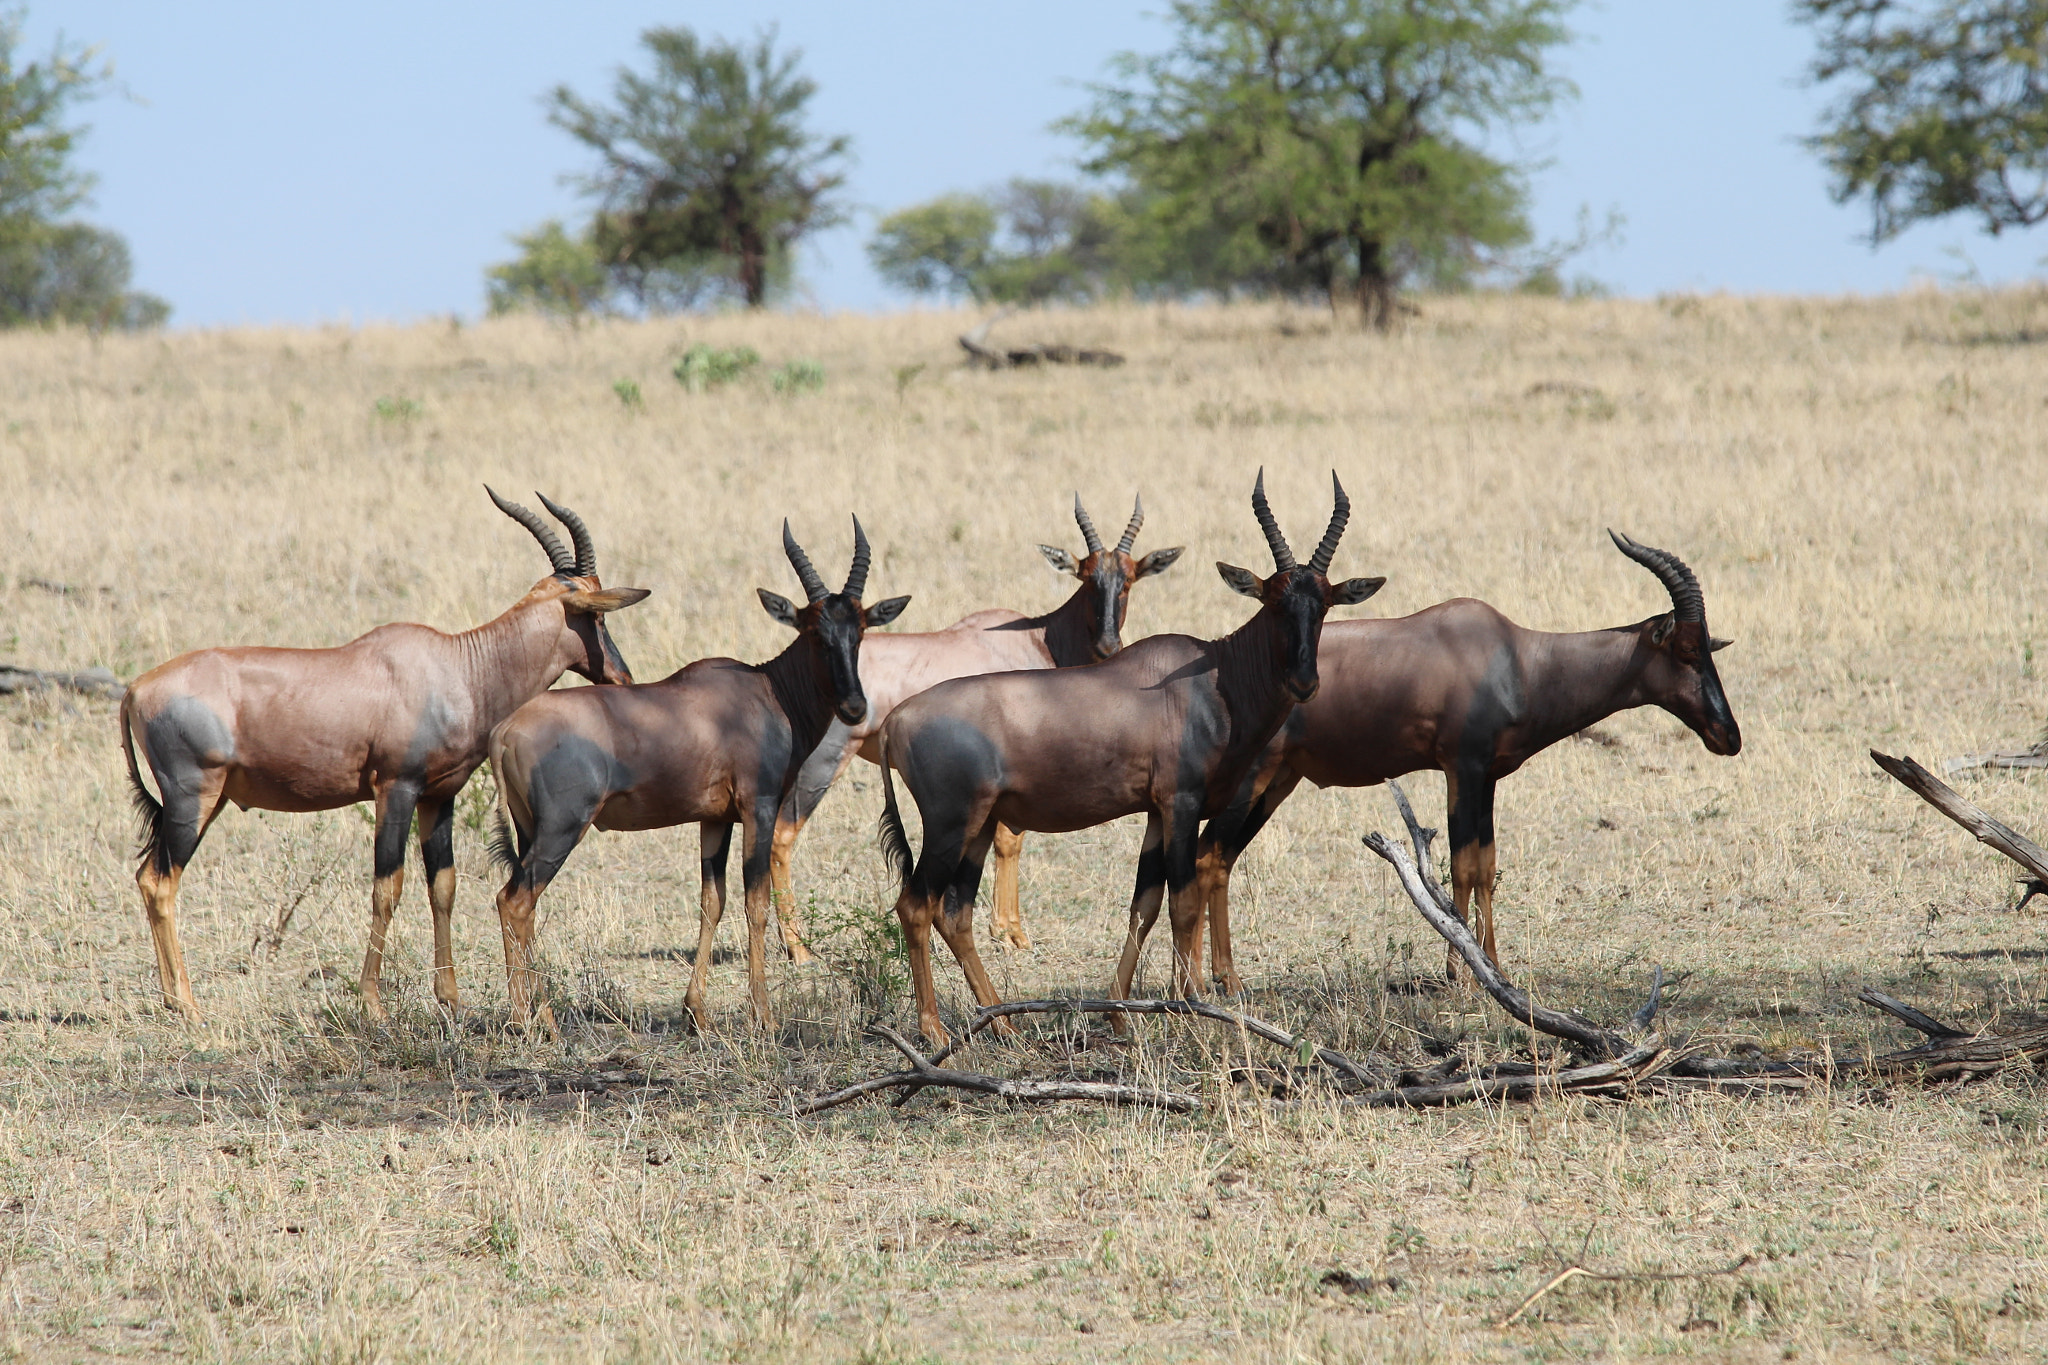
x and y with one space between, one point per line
160 908
916 918
384 894
1009 911
711 908
787 918
1213 875
1484 886
958 931
757 955
441 893
1464 880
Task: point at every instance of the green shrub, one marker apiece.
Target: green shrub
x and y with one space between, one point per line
799 376
628 391
705 366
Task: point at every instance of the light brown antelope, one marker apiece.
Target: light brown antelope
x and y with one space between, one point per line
716 742
1084 629
399 716
1168 727
1460 688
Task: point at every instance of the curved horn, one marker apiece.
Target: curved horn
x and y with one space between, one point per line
814 586
558 558
857 576
1340 515
1087 527
1123 547
1688 603
579 535
1283 558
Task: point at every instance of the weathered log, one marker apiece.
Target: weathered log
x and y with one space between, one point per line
1943 798
1631 1068
1909 1016
2036 757
979 352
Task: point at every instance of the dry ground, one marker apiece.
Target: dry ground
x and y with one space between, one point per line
1858 482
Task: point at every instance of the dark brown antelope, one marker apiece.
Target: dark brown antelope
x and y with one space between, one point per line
1460 688
399 716
1168 727
1084 629
716 742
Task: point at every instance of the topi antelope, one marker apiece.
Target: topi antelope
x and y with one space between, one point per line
399 716
1460 688
1084 629
1169 727
716 742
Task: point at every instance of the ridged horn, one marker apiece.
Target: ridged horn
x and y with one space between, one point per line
857 576
1087 527
1688 603
1123 547
814 586
1340 516
1283 558
559 559
579 535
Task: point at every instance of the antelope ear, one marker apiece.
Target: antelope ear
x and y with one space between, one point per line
1241 580
604 599
1159 561
883 612
1352 591
779 607
1060 559
1715 646
1661 628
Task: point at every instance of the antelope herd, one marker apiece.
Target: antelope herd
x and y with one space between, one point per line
997 725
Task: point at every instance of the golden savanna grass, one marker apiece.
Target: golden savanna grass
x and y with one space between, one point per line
1859 483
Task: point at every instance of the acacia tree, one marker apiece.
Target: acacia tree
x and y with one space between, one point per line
1028 242
53 269
706 170
1327 144
1945 110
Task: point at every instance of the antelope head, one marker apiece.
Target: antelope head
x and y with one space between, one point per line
1298 596
1678 672
835 621
1109 574
586 646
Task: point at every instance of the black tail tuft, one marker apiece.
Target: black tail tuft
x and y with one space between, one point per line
148 810
505 844
889 831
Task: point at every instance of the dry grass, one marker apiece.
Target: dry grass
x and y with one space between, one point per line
1859 484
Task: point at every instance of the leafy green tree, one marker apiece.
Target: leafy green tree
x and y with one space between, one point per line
555 274
1027 242
53 269
939 247
1325 145
1945 109
708 177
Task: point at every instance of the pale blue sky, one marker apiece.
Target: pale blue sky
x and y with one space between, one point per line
298 164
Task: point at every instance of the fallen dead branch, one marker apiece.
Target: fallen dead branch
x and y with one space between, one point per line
2035 757
925 1072
90 682
979 352
1943 798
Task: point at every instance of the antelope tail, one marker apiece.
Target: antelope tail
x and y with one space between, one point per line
148 810
889 830
504 843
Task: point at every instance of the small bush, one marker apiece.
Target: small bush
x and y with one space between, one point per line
799 376
397 409
865 946
704 366
628 391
